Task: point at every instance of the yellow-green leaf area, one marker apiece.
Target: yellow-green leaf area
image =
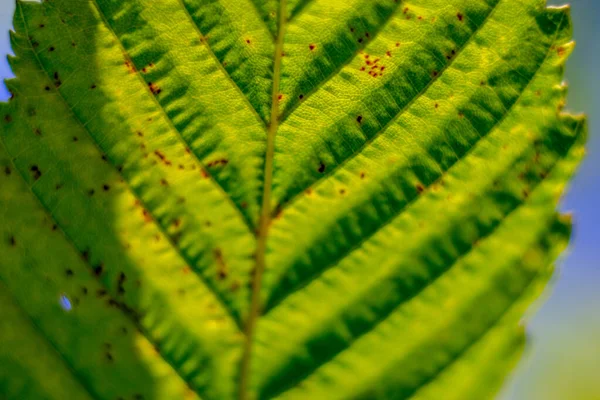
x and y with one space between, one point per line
301 199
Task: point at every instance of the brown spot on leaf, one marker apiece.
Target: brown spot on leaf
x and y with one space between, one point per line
35 172
154 88
322 167
221 266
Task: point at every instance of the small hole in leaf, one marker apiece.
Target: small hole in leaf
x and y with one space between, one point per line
65 303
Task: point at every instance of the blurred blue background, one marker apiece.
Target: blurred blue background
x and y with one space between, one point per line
563 360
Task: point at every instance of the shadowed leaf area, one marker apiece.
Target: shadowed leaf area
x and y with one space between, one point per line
246 199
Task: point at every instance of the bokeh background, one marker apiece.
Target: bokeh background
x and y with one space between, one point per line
563 359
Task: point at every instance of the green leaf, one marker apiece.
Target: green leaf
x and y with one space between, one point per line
309 199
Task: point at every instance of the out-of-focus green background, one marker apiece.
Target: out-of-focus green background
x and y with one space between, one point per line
563 359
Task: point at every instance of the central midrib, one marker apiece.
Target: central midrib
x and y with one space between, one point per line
265 213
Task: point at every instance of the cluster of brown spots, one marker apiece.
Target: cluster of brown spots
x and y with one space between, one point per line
130 67
406 13
215 163
162 157
57 81
321 167
420 188
221 266
35 172
120 283
560 51
149 66
451 55
372 66
360 39
154 88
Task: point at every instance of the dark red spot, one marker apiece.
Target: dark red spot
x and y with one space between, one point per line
311 47
420 188
460 17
